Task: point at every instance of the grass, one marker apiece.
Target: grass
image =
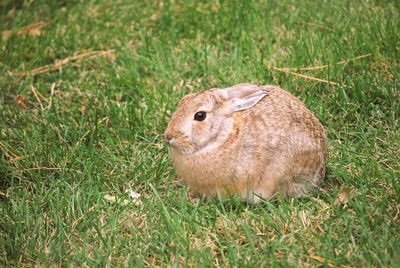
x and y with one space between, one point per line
93 126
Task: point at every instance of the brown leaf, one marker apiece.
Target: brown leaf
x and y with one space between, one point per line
278 255
336 182
343 197
83 109
21 101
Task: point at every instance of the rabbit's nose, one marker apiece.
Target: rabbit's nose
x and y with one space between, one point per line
167 137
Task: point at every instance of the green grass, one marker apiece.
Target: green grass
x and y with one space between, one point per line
99 132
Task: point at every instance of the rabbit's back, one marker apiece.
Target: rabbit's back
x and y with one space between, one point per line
292 143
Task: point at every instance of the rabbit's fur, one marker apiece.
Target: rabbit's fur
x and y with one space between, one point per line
254 141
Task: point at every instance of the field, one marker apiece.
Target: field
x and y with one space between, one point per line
87 89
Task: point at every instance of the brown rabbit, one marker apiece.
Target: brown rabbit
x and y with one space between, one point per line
248 140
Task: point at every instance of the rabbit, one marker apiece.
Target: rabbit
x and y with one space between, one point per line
247 140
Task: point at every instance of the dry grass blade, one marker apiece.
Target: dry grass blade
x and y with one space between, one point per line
19 158
289 70
323 66
317 258
76 221
37 97
306 76
51 95
58 64
47 168
355 58
35 25
7 151
317 25
87 132
322 260
31 29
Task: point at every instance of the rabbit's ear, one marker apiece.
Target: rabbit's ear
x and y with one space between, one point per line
242 96
245 102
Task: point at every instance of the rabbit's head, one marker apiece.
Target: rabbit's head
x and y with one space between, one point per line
204 120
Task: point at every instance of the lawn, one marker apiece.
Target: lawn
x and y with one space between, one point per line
87 89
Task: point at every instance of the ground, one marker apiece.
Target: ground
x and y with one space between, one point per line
87 89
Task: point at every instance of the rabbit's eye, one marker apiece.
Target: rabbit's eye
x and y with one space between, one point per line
200 116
